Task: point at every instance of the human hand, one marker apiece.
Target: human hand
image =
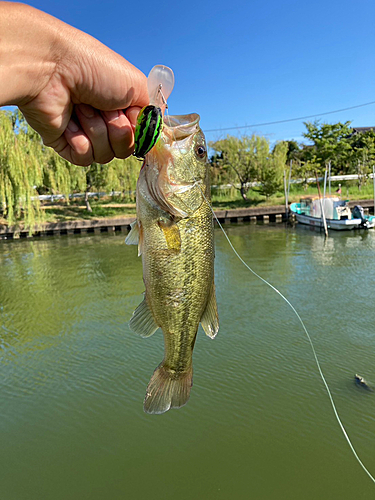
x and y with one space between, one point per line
84 99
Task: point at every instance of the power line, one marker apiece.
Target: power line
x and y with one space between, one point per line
291 119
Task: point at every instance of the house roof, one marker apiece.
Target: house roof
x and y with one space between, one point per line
361 130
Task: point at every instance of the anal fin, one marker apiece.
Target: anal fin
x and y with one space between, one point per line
210 317
142 321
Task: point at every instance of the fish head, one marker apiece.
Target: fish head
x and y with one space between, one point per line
185 139
177 168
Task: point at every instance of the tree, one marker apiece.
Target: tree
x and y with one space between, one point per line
250 159
20 169
242 156
28 168
294 151
60 176
362 154
271 174
330 143
303 169
364 140
219 175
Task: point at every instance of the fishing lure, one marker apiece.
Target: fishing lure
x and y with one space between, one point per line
160 83
147 131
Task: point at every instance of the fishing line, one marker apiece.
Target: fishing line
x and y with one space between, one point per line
310 341
293 309
291 119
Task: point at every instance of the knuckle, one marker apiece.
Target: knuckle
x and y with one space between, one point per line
95 128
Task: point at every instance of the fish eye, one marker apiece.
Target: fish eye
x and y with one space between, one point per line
200 151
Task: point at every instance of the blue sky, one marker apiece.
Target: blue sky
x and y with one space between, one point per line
244 62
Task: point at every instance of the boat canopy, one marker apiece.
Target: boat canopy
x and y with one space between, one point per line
333 206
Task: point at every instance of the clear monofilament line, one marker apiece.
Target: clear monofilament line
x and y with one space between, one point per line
298 316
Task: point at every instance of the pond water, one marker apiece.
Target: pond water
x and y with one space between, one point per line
259 424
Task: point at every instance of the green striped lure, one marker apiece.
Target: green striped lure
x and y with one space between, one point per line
160 84
147 131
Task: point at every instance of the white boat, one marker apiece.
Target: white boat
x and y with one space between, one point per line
337 212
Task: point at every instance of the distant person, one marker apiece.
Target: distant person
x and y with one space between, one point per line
79 95
338 191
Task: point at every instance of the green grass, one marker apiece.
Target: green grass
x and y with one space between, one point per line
349 190
230 198
222 199
77 210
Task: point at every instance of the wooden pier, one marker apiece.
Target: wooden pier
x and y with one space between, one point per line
93 226
256 215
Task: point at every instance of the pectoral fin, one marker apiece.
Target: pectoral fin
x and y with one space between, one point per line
210 318
135 236
142 321
171 234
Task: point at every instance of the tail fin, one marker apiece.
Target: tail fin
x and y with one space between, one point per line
167 390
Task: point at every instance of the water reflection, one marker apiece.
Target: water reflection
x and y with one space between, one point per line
73 377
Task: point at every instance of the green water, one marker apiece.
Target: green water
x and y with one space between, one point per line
258 425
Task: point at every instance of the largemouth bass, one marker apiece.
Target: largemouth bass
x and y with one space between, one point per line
174 232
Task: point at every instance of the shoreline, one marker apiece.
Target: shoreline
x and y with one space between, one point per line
264 214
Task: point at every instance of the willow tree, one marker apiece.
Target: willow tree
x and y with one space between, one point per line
121 175
28 169
118 175
21 170
60 176
244 156
271 173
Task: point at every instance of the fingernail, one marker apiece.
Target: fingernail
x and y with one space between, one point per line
110 116
86 110
72 126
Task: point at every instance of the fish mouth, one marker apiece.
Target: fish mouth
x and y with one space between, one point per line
182 126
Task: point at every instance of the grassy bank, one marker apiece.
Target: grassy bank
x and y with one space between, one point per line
102 208
224 199
230 198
